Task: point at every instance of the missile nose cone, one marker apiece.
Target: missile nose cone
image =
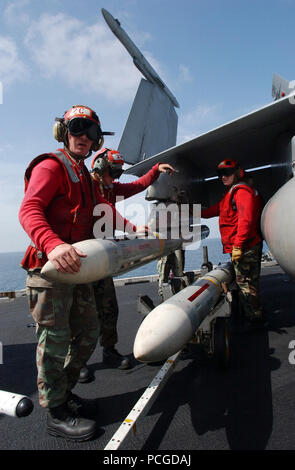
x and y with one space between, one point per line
24 408
111 21
106 14
48 270
93 267
163 332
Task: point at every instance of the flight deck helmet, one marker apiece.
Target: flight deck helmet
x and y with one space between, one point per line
79 120
229 167
108 159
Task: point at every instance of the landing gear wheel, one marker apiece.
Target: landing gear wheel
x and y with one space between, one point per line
221 343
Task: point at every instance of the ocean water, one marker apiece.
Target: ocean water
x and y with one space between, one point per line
13 277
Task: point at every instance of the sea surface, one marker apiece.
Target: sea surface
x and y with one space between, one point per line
13 277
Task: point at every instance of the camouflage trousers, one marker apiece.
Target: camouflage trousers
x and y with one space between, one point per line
173 262
67 332
107 311
247 271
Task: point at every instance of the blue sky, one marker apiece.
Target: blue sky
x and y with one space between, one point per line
217 57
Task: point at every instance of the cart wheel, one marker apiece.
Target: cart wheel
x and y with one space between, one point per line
221 342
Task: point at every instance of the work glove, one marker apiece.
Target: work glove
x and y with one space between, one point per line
236 253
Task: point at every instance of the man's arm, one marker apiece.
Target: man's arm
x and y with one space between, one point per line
246 218
118 221
212 211
129 189
44 185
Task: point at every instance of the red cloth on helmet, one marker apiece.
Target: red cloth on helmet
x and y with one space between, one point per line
240 227
56 210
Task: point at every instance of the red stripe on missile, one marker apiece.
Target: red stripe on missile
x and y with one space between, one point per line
199 292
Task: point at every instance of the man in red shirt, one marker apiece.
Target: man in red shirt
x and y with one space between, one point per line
239 214
57 211
107 165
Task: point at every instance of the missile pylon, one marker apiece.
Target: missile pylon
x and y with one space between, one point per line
173 323
139 60
13 404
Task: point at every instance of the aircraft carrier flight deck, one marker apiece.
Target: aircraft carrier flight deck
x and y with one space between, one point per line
249 406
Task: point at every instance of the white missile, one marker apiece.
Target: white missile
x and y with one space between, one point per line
169 327
277 224
139 60
111 257
13 404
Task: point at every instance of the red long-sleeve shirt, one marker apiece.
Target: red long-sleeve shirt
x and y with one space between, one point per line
130 189
47 186
238 227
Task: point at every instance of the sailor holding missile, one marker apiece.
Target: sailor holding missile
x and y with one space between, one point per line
107 166
239 214
57 211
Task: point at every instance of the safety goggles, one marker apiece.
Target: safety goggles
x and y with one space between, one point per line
80 126
225 172
115 171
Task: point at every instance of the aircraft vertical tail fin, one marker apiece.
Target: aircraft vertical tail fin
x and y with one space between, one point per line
151 126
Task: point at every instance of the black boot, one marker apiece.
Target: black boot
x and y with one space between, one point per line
251 325
85 375
185 353
83 407
113 358
63 422
76 404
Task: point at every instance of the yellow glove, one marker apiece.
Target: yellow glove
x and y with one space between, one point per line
236 253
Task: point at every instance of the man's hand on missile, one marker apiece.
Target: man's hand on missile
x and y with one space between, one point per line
166 168
66 258
236 254
143 229
139 229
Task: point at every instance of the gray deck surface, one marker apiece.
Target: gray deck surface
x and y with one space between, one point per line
250 406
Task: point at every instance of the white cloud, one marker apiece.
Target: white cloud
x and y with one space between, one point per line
5 148
12 67
83 56
199 120
14 12
185 74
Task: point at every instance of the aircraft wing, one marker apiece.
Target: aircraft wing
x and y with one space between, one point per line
259 138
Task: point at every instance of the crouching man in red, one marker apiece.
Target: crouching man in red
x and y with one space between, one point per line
239 214
107 166
57 210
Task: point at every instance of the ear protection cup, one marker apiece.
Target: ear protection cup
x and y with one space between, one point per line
101 164
59 131
98 144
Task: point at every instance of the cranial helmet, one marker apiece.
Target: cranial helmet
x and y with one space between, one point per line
228 167
79 120
108 159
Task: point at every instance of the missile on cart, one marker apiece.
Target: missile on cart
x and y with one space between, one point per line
110 258
13 404
168 328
